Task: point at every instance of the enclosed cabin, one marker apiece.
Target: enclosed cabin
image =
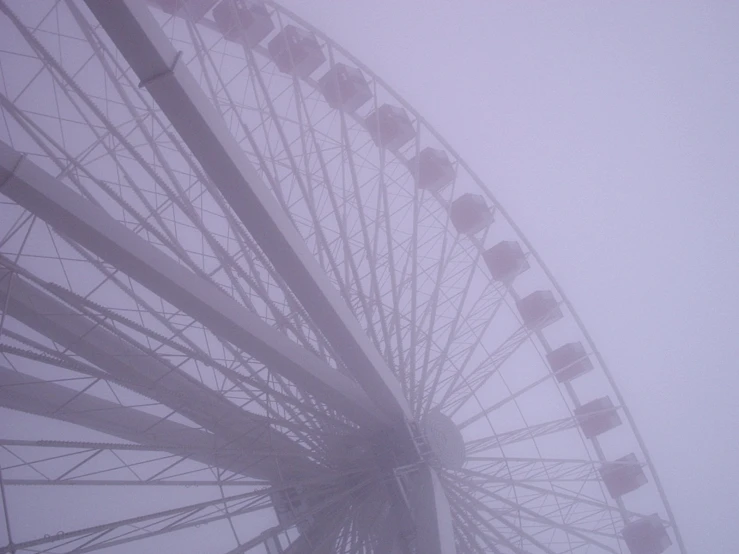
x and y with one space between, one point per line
247 22
539 309
569 361
192 10
296 51
344 88
506 260
597 417
470 214
432 169
390 127
623 475
646 536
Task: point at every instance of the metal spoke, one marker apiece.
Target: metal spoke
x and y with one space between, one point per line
247 285
91 227
151 57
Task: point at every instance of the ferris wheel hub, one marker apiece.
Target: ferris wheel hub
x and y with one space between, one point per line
444 440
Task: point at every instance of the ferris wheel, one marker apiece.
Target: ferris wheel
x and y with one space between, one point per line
253 302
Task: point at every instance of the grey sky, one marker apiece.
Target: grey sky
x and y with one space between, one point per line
610 131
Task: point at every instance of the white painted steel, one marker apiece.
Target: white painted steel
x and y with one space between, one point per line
154 59
90 226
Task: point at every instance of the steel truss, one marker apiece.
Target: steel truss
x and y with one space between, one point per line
236 309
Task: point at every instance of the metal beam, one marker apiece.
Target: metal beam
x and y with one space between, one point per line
155 62
147 525
24 393
434 526
90 226
151 55
153 58
152 376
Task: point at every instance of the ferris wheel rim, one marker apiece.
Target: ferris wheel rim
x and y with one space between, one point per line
486 190
555 284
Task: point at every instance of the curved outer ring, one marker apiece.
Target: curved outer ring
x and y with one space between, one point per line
533 252
484 190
